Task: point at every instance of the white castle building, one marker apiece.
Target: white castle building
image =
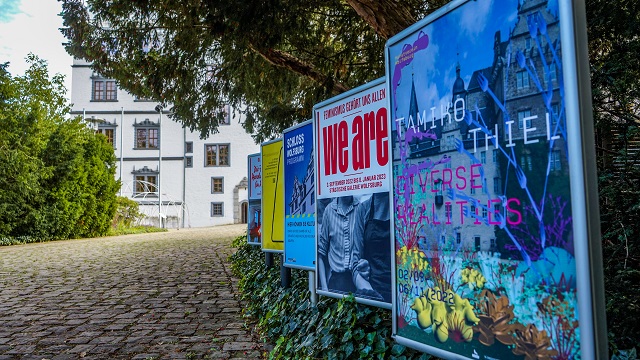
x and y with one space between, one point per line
176 177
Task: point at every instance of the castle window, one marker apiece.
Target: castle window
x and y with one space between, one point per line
217 185
522 80
217 209
147 135
555 113
146 138
104 90
521 116
555 164
109 131
216 155
553 76
525 162
226 117
146 181
497 208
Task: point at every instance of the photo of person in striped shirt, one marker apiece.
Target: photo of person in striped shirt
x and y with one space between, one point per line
341 268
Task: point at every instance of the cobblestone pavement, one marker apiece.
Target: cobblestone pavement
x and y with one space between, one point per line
148 296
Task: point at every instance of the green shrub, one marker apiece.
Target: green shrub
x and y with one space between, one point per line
57 177
127 213
20 240
334 329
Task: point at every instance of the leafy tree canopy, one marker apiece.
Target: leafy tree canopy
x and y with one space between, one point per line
57 177
30 108
275 59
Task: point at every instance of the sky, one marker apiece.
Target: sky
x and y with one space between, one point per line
464 36
32 26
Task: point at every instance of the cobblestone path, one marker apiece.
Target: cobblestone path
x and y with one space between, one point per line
148 296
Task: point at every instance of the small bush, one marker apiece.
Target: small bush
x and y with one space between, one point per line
127 213
19 240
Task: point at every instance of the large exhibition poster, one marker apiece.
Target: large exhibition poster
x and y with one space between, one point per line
353 207
299 207
254 219
484 224
272 197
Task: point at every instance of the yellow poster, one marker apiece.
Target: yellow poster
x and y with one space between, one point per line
272 197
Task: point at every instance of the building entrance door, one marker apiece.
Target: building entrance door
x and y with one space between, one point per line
244 209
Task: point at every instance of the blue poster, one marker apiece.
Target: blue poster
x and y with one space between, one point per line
299 229
485 254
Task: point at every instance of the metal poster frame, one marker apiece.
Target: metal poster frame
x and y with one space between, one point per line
584 214
316 118
287 243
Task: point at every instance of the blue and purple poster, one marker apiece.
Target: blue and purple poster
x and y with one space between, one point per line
299 210
484 230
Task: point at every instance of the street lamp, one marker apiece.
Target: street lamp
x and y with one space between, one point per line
159 109
94 121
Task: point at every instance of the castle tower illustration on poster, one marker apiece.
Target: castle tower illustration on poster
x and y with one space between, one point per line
486 262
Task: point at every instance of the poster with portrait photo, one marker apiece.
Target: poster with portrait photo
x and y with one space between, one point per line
352 140
362 222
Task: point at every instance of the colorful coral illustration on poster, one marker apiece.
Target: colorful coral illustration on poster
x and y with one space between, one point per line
485 262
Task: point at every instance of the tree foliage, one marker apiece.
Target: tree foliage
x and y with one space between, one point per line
274 58
613 28
57 178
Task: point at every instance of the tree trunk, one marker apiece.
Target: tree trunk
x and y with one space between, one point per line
386 17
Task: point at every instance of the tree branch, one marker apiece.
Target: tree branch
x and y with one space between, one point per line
290 62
